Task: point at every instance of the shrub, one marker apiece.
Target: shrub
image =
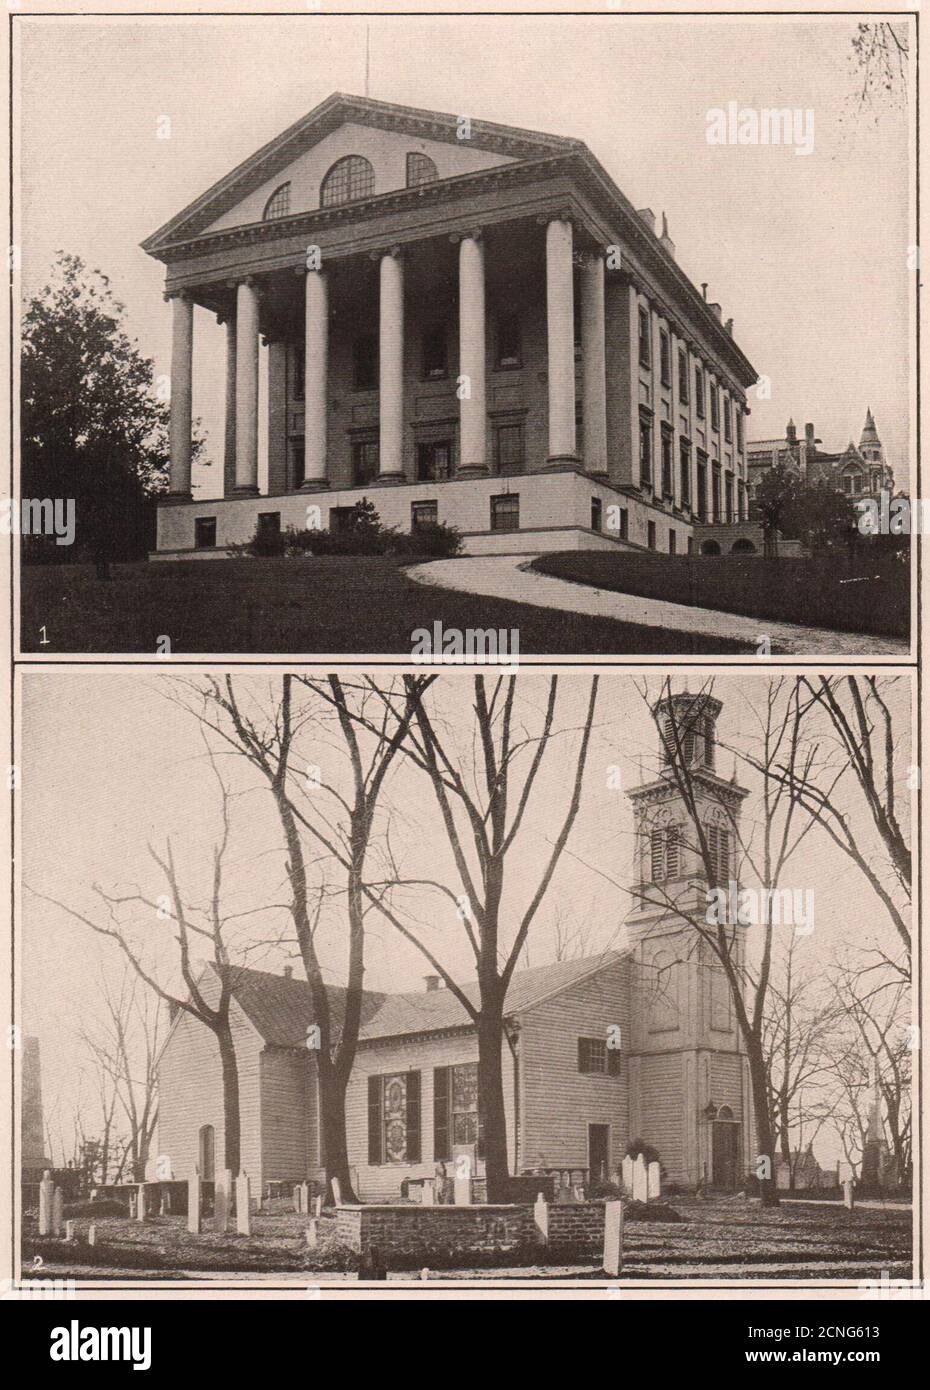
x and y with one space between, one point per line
437 542
637 1147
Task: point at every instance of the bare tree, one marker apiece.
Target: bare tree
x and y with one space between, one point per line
881 53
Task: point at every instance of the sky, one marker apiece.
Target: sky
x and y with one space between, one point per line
807 253
112 766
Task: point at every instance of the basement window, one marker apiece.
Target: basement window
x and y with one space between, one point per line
205 532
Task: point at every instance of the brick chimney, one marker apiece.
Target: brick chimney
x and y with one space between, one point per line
431 983
665 239
717 312
809 439
648 217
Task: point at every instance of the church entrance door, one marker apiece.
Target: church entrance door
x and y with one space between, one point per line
725 1151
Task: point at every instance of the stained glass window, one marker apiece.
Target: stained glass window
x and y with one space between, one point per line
395 1118
465 1104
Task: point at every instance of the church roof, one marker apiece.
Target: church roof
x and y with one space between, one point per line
281 1008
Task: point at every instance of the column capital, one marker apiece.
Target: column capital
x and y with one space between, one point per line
565 215
474 234
184 296
395 253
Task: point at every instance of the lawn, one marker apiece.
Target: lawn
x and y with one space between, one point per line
716 1239
847 595
358 604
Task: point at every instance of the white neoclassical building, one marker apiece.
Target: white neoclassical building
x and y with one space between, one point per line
464 322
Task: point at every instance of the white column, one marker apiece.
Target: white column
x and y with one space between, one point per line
229 441
316 366
391 369
472 357
179 426
247 387
560 323
594 365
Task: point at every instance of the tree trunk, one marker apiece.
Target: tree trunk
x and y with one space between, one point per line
765 1144
231 1128
335 1149
491 1104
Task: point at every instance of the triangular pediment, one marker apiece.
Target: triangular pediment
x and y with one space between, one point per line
381 132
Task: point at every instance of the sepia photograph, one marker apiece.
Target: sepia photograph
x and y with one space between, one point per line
499 349
448 976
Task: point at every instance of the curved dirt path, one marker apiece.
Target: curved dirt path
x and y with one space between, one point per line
509 577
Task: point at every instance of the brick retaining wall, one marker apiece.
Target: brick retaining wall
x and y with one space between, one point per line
413 1228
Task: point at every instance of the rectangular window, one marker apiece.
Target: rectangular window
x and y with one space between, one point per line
509 346
341 518
296 447
672 542
434 461
683 394
716 504
727 420
651 535
728 496
394 1118
423 514
645 453
435 365
595 1058
505 512
364 461
665 358
297 377
597 513
365 363
702 486
205 532
269 524
714 406
509 445
624 523
699 390
645 356
739 428
684 471
667 484
455 1111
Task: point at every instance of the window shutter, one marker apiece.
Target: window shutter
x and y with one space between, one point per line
710 834
582 1054
442 1149
657 837
413 1117
374 1120
613 1061
723 855
671 852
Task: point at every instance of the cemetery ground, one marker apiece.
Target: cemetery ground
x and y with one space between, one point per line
362 604
863 592
716 1239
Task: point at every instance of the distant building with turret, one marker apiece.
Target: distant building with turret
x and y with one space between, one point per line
858 471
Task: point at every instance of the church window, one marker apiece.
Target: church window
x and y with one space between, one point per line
394 1118
279 204
456 1123
350 178
718 848
420 169
665 852
596 1059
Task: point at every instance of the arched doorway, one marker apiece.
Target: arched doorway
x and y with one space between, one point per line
207 1153
743 547
725 1150
710 548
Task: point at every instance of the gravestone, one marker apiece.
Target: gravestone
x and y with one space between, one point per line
58 1206
243 1206
140 1202
654 1181
296 1197
69 1230
318 1205
848 1198
304 1198
626 1171
222 1189
541 1218
312 1234
640 1180
613 1238
92 1234
461 1192
193 1206
428 1193
46 1192
337 1192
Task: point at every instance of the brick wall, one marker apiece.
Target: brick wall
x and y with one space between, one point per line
413 1228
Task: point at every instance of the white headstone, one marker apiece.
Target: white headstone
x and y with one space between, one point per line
626 1170
193 1206
92 1234
654 1181
318 1205
69 1230
428 1193
541 1218
613 1238
312 1234
58 1205
221 1191
46 1192
243 1206
337 1192
297 1197
848 1198
640 1180
461 1192
140 1202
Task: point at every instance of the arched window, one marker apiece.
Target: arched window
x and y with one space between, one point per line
664 848
725 1113
743 547
350 178
710 548
420 169
279 204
